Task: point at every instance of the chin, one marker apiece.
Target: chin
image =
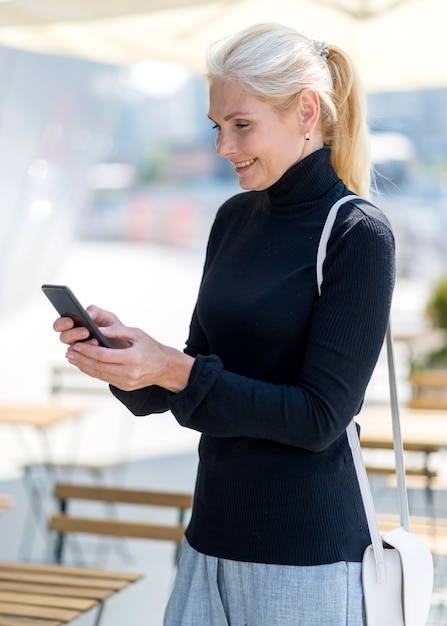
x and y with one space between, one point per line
245 186
251 187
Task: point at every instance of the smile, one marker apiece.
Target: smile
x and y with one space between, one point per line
243 164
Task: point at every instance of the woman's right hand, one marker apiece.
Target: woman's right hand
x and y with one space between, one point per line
136 359
71 334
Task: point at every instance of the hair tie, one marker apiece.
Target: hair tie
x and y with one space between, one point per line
322 49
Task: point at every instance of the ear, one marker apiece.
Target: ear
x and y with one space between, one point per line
308 109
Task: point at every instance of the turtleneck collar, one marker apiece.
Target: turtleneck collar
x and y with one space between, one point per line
305 182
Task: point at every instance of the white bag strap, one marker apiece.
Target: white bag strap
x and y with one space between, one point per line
325 234
351 430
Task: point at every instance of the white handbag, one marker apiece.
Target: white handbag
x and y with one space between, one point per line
397 567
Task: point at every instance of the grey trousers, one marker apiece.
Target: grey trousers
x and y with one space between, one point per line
217 592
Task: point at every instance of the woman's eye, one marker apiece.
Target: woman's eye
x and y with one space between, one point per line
242 125
216 127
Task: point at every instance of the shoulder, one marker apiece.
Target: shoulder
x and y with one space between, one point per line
362 234
362 218
369 211
361 250
362 210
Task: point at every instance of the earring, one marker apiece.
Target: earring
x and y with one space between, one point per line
307 136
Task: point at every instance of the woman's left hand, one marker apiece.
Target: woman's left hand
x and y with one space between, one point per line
144 362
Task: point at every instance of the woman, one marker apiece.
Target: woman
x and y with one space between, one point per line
272 372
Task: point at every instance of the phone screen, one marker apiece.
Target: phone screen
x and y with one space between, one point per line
67 305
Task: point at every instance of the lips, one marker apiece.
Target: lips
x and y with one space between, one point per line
243 164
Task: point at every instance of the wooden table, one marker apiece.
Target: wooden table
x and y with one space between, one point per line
53 595
422 430
40 418
424 434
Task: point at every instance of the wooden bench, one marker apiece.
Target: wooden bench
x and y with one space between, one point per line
429 389
432 530
68 380
416 477
419 478
64 522
54 595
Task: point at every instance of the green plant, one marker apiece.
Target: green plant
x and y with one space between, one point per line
436 309
436 313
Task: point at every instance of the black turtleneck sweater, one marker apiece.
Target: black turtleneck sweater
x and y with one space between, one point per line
280 371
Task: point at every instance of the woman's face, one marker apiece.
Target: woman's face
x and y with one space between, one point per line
260 142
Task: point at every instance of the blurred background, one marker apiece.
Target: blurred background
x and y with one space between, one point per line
109 182
106 153
122 150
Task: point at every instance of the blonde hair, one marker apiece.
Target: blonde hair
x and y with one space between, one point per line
275 62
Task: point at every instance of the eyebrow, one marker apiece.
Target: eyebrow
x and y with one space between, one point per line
233 115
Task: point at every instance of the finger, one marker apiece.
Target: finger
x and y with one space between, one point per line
102 317
74 335
81 356
92 350
63 323
121 336
124 368
87 365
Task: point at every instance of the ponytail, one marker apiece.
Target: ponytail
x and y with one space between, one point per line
348 135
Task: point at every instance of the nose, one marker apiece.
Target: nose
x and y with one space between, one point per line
224 145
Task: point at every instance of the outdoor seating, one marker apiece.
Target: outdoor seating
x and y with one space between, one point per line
429 389
55 595
424 436
75 400
65 521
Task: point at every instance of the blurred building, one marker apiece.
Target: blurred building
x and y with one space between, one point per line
101 152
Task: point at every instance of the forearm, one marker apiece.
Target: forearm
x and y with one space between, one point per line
154 398
177 370
310 416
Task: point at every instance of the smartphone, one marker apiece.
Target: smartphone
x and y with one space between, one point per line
67 305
